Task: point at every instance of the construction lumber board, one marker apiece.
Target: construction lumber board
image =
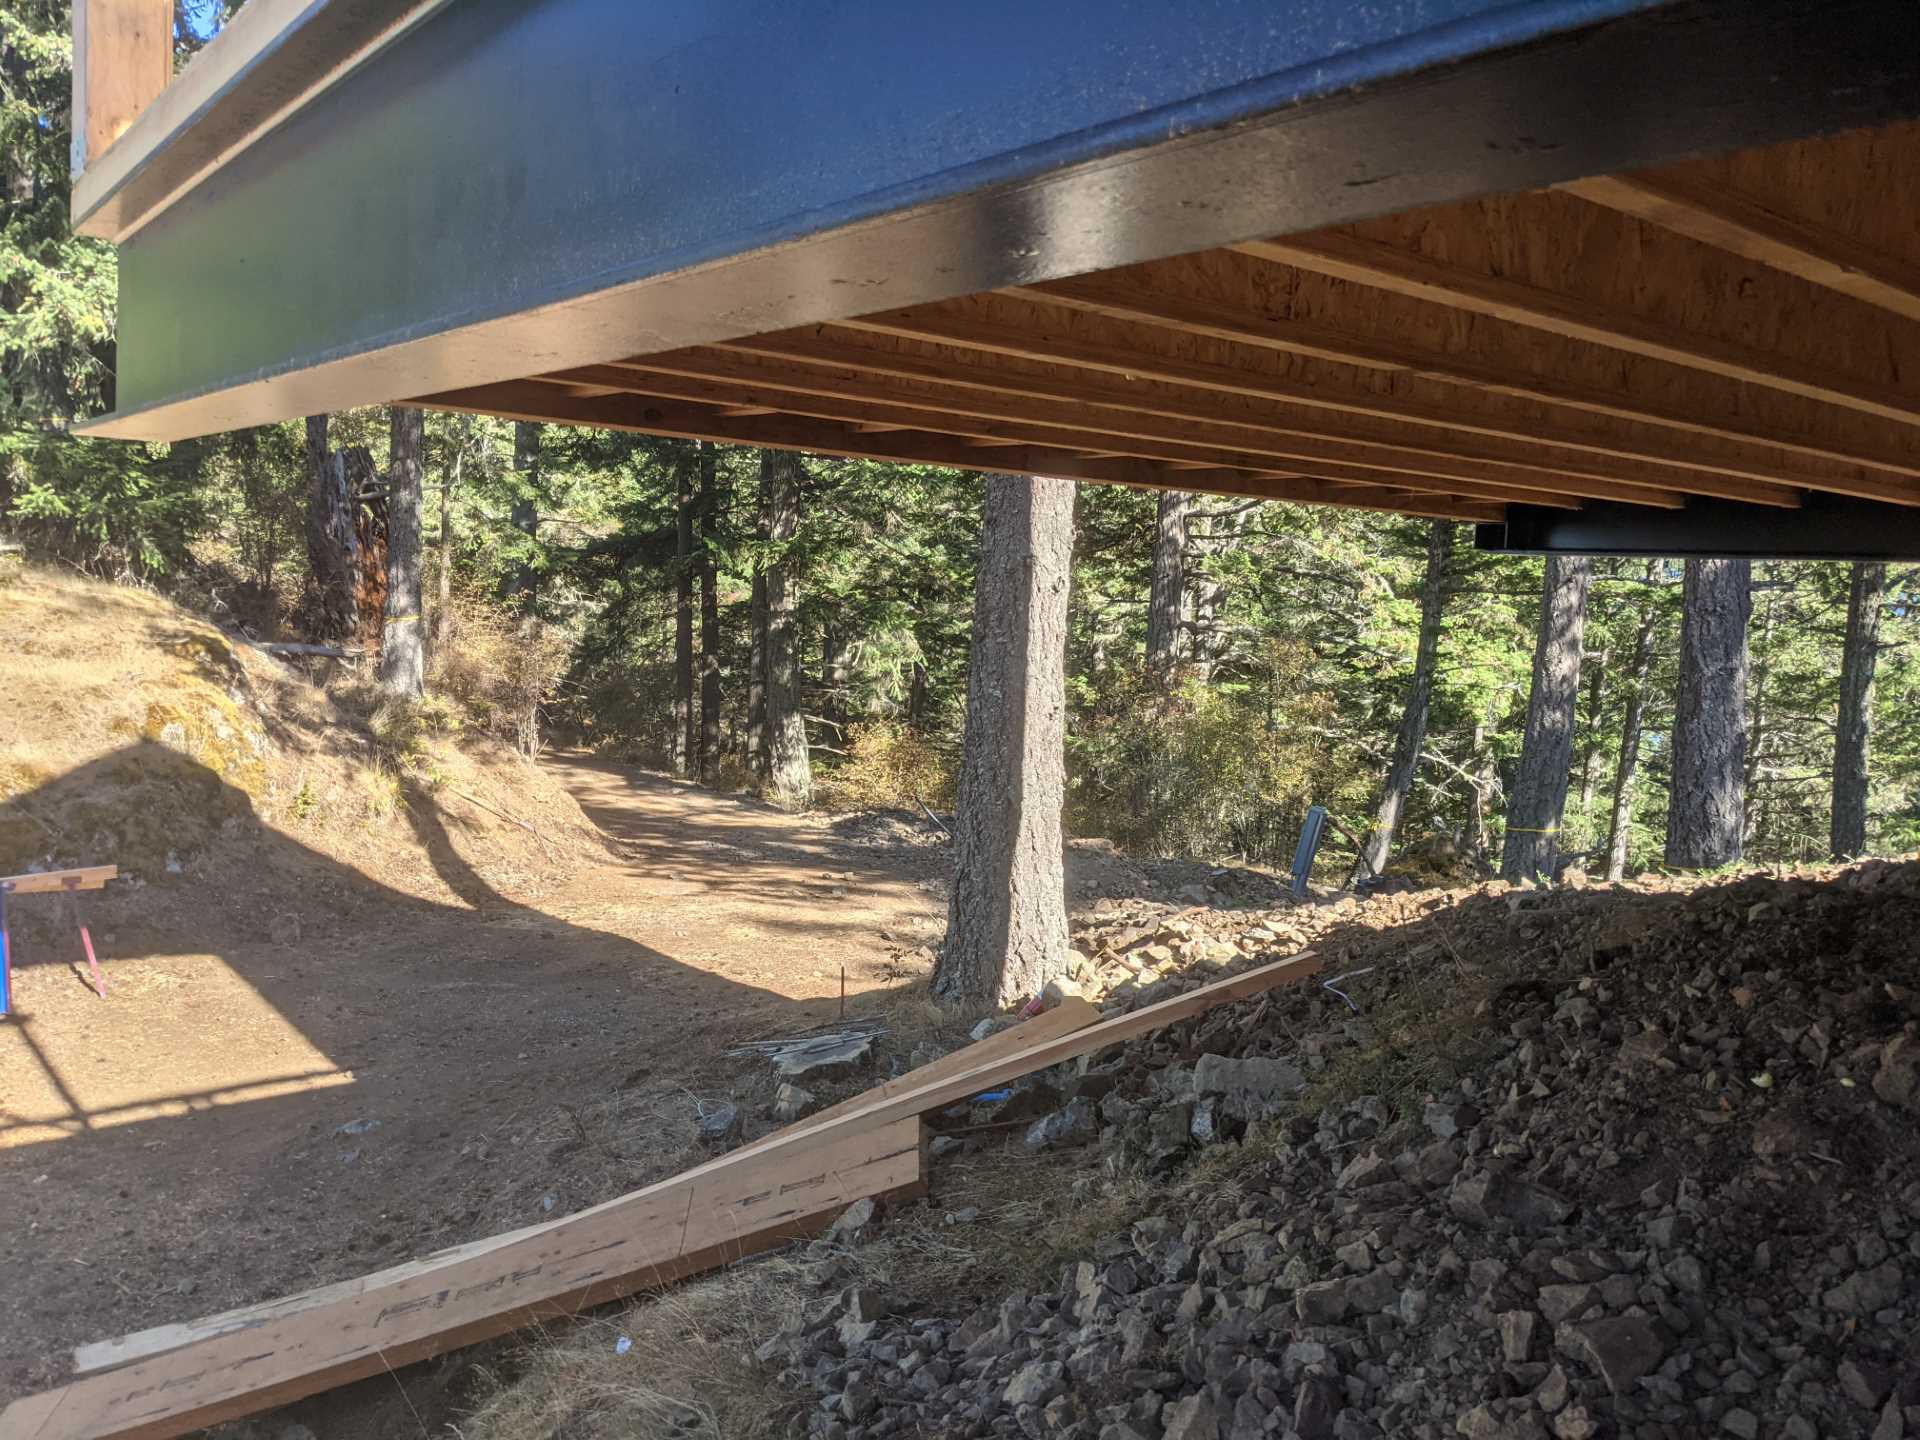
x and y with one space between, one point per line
666 1232
647 1238
86 877
1069 1015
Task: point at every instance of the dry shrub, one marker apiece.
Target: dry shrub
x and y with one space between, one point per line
688 1373
501 669
890 766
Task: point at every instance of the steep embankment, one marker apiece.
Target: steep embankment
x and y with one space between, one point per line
133 733
1638 1161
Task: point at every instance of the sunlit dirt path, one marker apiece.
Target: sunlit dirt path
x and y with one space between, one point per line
243 1117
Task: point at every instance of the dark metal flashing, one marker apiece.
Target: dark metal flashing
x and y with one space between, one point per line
1825 527
518 187
170 147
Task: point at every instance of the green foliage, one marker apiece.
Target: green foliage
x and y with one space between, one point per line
116 510
1207 771
891 766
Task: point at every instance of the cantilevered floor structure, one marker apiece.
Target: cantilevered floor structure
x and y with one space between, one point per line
1600 275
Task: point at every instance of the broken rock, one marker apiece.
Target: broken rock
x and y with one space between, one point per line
790 1102
826 1058
1254 1089
1073 1125
1622 1348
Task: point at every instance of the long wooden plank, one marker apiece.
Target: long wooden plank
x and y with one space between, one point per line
800 390
1197 394
684 1226
797 1178
86 877
1723 217
1727 472
535 400
1069 1015
973 432
1128 299
1376 263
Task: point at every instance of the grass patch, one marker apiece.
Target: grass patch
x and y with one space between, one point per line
1430 1025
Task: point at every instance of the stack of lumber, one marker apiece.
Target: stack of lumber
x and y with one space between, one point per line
178 1378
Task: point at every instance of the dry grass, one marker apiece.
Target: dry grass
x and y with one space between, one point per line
688 1371
137 734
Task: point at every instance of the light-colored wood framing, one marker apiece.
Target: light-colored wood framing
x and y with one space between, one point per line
122 60
1743 329
788 1185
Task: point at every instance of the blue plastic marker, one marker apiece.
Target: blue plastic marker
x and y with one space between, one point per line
6 957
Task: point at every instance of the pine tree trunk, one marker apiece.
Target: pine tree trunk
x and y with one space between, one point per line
1704 804
1594 670
1759 719
833 679
443 598
757 677
1480 794
333 541
403 668
1007 916
1210 593
523 582
1853 739
789 771
1546 752
709 616
366 500
685 738
1413 719
1168 588
1620 824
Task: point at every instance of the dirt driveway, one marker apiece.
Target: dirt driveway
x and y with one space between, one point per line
244 1117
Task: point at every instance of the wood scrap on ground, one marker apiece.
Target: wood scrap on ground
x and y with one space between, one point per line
788 1185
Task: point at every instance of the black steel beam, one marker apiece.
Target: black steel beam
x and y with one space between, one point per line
517 186
1826 527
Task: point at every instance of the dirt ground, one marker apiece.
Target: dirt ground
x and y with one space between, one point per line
377 1076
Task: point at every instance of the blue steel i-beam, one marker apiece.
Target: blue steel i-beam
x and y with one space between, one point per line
517 186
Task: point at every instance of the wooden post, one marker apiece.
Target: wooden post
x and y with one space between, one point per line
122 60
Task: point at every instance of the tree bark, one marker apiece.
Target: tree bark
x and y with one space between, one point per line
686 736
1704 804
1620 823
1210 592
789 771
709 616
332 541
1594 672
523 583
1007 916
366 499
1413 719
403 668
443 599
1546 752
1854 736
1168 587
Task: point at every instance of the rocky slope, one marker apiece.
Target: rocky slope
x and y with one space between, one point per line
1569 1163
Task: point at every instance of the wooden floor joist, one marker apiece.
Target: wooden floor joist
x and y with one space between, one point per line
1738 329
788 1185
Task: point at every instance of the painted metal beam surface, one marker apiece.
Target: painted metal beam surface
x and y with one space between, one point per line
1825 527
515 186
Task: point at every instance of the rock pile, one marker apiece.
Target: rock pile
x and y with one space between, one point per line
1673 1191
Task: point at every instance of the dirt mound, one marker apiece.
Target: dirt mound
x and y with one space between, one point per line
136 734
1529 1164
